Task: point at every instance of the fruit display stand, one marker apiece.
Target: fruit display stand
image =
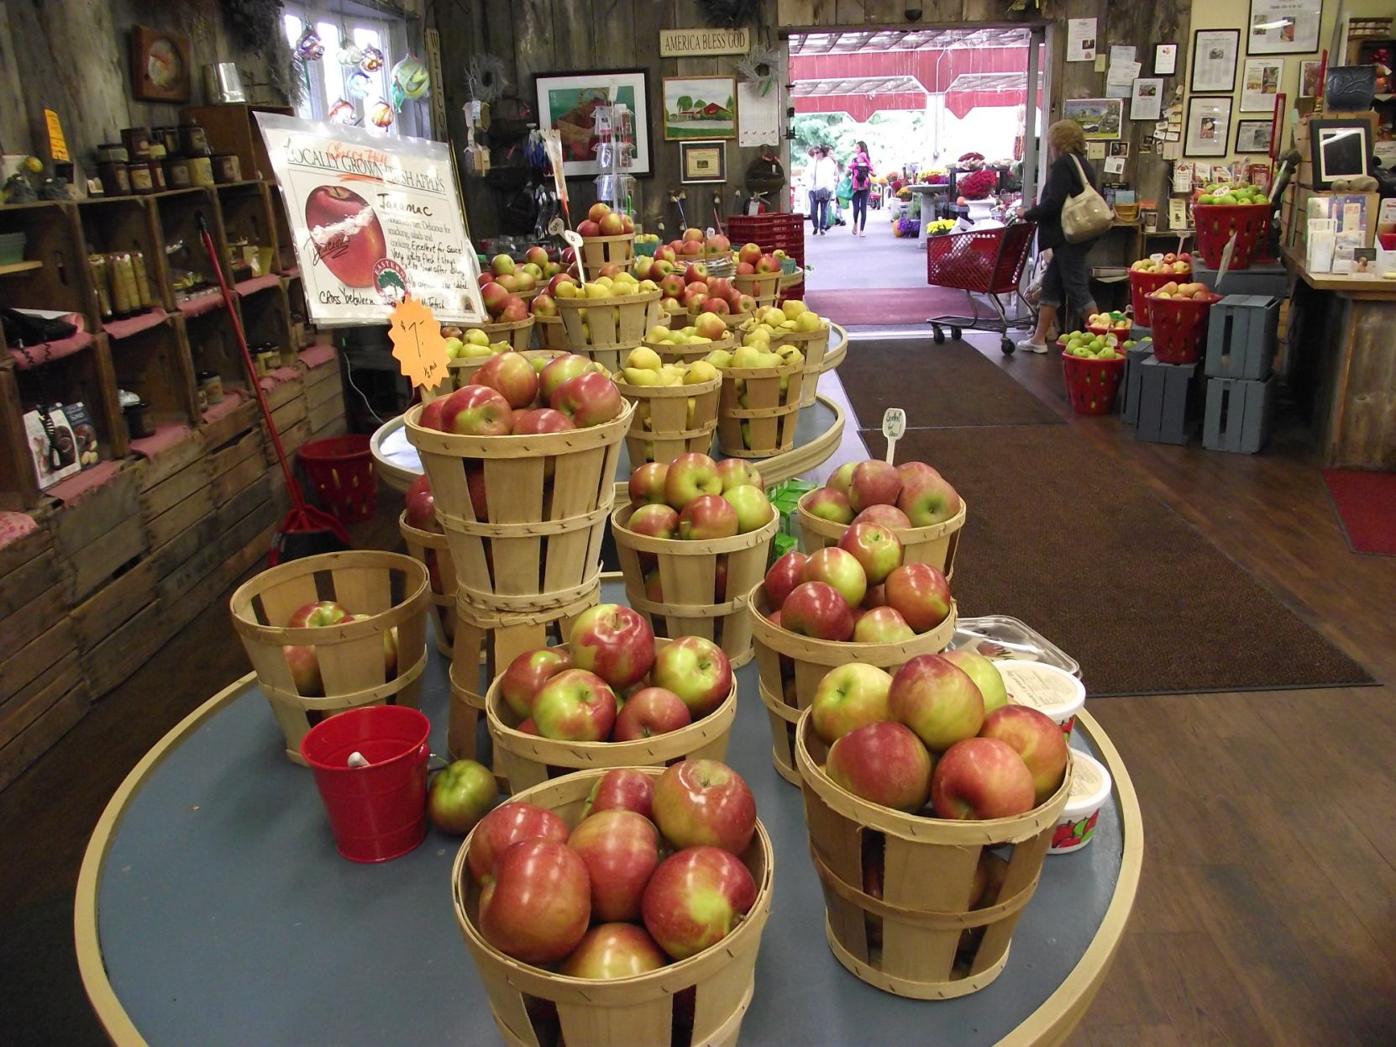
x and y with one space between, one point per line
161 955
670 420
605 328
935 545
759 410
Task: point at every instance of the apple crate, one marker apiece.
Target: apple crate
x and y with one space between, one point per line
608 323
384 591
935 545
431 549
605 250
705 585
764 287
759 409
525 760
923 934
537 542
700 1000
791 667
671 420
813 345
485 643
518 333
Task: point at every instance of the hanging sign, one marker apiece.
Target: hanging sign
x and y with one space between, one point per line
684 43
417 343
373 219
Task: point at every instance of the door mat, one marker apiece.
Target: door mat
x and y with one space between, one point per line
1366 504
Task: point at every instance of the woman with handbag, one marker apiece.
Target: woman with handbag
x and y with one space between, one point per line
1070 215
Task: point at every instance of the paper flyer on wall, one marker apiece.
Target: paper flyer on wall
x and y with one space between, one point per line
373 218
1080 39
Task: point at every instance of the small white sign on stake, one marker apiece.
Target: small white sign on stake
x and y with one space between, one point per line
893 426
574 241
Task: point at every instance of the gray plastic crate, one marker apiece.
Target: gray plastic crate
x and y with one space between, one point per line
1164 394
1241 337
1269 278
1134 358
1238 414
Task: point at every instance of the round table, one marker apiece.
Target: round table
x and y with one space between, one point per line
212 908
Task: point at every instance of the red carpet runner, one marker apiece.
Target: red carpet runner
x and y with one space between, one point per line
1366 503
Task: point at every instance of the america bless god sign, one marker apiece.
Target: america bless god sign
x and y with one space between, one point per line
681 43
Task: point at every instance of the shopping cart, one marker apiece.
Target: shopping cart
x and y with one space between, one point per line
982 261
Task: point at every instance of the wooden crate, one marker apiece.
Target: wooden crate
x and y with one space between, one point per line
234 129
248 215
1238 414
324 414
236 466
27 567
35 630
86 375
103 613
178 502
36 717
221 427
96 536
165 463
125 650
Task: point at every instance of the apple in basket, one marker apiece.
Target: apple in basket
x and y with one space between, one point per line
561 370
830 504
528 673
505 826
981 778
842 478
881 625
840 569
877 550
884 763
785 574
696 898
928 500
647 483
816 609
985 675
704 803
1037 738
476 410
888 516
614 950
623 789
588 399
317 615
620 850
873 483
650 711
421 506
461 794
752 506
920 593
575 706
690 476
614 642
937 700
734 472
707 518
536 903
848 697
695 669
908 470
540 420
305 669
654 521
512 376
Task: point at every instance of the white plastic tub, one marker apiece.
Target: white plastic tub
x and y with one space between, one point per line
1046 688
1090 789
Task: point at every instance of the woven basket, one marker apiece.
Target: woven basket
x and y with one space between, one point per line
717 983
921 938
665 426
547 499
431 548
813 345
519 333
771 414
603 250
688 572
935 545
390 590
608 323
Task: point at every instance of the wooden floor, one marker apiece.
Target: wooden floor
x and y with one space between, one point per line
1268 902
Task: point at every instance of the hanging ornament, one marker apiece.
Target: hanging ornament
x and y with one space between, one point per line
380 114
411 75
308 47
350 55
343 112
357 84
372 60
396 97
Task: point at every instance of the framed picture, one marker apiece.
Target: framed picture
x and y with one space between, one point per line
159 65
699 107
1100 118
1341 148
1117 149
1310 71
1253 136
1208 127
701 162
568 101
1260 83
1214 54
1284 27
1146 98
1165 59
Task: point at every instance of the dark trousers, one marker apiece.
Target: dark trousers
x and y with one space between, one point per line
1068 279
860 208
822 218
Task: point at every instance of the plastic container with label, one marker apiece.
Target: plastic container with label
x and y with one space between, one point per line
1046 688
999 637
1090 789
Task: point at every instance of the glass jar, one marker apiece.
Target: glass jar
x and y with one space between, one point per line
211 385
177 172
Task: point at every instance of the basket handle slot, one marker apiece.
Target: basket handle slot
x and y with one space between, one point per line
873 846
683 1015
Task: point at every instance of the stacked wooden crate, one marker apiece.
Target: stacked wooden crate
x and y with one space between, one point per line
324 391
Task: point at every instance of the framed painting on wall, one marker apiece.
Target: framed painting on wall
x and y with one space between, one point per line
1208 127
159 65
567 102
702 162
699 107
1100 118
1253 136
1260 83
1310 72
1284 27
1214 54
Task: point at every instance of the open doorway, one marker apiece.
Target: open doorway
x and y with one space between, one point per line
950 128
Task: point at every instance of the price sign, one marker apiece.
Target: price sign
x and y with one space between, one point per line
893 426
574 241
417 343
1226 259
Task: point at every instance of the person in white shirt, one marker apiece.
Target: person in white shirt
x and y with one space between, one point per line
826 180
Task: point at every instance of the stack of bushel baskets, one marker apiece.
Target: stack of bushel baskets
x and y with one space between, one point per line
1240 386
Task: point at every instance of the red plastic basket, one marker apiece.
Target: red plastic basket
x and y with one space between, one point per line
774 231
1142 284
1215 224
340 471
1180 327
990 262
1091 385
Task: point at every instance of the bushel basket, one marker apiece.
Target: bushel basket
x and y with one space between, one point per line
591 324
431 549
671 420
759 410
935 545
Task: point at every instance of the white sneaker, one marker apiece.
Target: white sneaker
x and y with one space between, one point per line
1029 346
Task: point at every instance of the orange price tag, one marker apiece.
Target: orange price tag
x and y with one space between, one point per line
417 343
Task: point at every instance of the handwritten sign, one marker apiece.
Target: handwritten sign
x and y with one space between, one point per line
684 43
417 343
893 426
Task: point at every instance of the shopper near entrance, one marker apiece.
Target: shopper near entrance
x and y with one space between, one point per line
826 181
860 170
1067 280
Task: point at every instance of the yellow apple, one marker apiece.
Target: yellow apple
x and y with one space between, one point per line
807 321
700 371
720 358
792 308
657 333
643 357
475 336
640 376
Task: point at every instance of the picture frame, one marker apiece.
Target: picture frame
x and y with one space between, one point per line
1101 119
1165 59
1207 130
566 100
1120 148
1214 55
1310 77
1146 98
1283 27
1341 147
159 65
1253 136
699 107
703 163
1260 83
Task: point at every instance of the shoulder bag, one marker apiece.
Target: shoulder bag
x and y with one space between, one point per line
1086 215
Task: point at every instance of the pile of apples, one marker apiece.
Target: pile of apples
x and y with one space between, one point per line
505 284
611 281
1090 346
692 290
696 243
912 494
609 684
642 366
512 394
1113 322
706 327
940 731
694 498
644 239
751 260
305 667
1177 290
602 221
1231 195
791 316
651 874
1180 263
472 344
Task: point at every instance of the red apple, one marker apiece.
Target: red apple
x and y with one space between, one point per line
430 418
785 574
647 483
671 286
541 420
752 506
767 264
620 850
575 706
842 478
908 470
461 794
537 254
654 521
937 700
515 310
528 673
817 609
850 696
614 950
588 399
598 211
559 371
695 899
877 597
716 305
479 496
485 278
494 295
1037 738
841 569
985 675
349 245
920 593
614 642
695 669
888 516
749 253
651 711
746 269
536 905
736 472
477 410
588 229
305 669
829 504
317 615
528 727
510 375
704 803
623 789
981 778
928 500
884 763
421 506
707 517
610 225
505 826
881 625
874 483
877 550
502 265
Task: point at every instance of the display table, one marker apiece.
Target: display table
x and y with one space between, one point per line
928 194
212 908
1347 359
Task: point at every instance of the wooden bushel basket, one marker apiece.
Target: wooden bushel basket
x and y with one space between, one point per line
486 643
792 666
431 549
665 426
547 498
715 986
390 589
934 545
813 345
688 579
548 333
922 938
735 320
603 250
519 333
764 287
687 352
526 760
608 323
770 414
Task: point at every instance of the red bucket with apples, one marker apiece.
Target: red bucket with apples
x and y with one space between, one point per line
934 543
700 999
1143 283
655 734
1179 325
918 905
1215 225
1091 384
334 632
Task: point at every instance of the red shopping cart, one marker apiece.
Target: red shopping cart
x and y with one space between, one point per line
982 261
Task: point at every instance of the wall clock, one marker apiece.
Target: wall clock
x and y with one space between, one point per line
159 65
